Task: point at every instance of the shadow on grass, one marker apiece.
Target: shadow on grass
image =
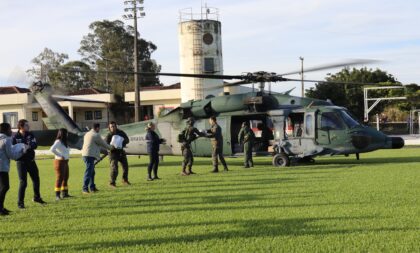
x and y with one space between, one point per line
258 228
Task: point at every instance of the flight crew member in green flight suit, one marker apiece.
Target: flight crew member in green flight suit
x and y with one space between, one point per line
215 133
189 135
246 137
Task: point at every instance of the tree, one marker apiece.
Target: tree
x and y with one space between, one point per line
351 96
75 80
45 64
109 47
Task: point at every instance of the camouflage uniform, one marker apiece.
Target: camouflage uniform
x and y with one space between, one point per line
190 134
215 133
246 136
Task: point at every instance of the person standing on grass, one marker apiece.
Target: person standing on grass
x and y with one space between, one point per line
92 144
7 152
118 154
153 143
61 150
215 133
27 165
188 135
246 137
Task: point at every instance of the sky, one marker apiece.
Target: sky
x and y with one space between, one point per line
267 35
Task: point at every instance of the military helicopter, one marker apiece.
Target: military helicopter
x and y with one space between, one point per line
299 128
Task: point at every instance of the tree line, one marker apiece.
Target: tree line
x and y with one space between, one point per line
109 46
351 95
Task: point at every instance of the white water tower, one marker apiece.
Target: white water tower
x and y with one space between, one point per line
200 48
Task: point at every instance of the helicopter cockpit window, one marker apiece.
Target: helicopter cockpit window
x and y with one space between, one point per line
331 121
349 120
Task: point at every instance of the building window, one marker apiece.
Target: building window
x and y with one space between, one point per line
98 114
34 116
88 115
209 65
11 118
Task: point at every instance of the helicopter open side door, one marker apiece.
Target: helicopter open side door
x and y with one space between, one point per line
295 131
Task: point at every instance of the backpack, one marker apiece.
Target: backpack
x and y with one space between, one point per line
181 136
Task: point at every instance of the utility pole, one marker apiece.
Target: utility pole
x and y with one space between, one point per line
132 10
301 75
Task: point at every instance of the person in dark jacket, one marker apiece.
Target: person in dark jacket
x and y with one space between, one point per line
153 143
27 165
117 155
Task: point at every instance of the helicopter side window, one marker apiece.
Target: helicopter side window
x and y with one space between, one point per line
331 121
308 125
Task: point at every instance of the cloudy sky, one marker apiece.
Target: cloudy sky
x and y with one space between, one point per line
257 35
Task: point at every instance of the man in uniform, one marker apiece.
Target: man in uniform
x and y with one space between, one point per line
215 133
117 155
247 136
189 135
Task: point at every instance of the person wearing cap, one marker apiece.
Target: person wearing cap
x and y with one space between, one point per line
153 143
246 137
215 134
189 134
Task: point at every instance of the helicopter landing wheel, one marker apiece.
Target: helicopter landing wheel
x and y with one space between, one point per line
281 160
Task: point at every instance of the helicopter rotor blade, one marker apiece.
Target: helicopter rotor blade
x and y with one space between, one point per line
334 82
227 85
208 76
332 66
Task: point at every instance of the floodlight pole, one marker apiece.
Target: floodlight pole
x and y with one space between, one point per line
134 8
301 75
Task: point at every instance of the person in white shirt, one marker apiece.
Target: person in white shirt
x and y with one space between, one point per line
61 150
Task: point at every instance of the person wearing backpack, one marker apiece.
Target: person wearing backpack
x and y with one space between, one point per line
247 136
186 137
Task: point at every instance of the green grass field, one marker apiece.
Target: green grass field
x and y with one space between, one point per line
336 205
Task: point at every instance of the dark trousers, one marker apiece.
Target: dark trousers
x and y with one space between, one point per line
122 158
4 187
61 168
248 162
153 164
24 168
188 159
217 154
89 177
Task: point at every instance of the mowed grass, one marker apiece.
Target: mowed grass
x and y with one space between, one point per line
335 205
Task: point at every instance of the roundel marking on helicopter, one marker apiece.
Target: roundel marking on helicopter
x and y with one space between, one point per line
292 101
208 38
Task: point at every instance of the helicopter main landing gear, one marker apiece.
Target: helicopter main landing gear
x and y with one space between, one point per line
281 160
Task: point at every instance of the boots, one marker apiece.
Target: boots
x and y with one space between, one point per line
149 175
155 174
57 195
215 169
65 194
225 168
190 172
184 173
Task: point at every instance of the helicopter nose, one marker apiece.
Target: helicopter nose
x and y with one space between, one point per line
361 141
397 142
